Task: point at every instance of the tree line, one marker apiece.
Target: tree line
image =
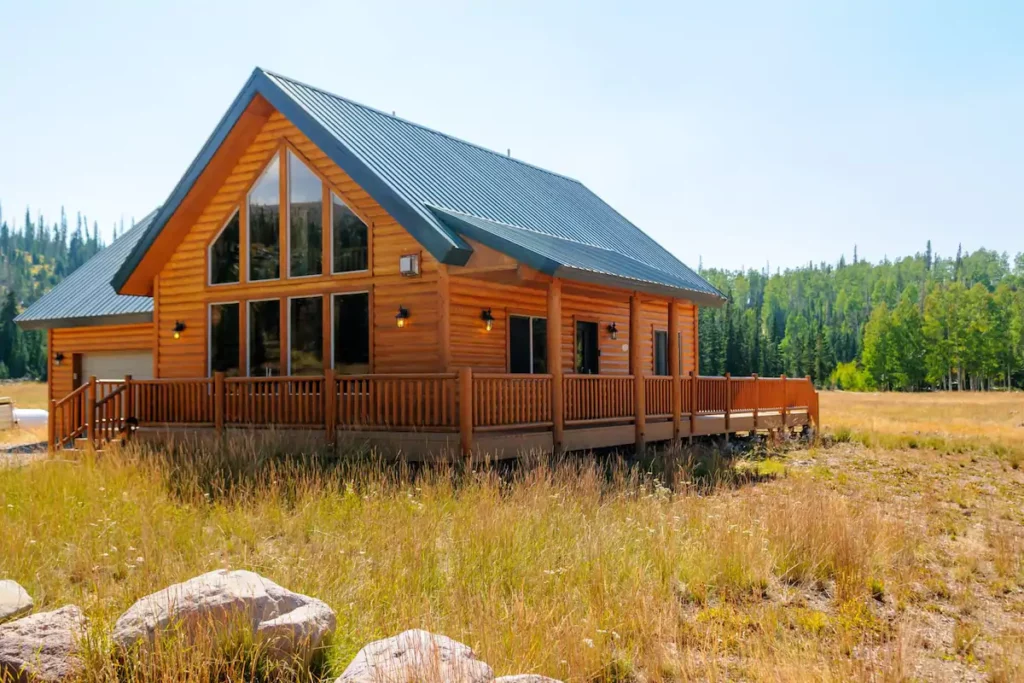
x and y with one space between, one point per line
36 254
919 322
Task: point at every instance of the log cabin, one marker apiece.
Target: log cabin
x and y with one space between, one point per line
323 265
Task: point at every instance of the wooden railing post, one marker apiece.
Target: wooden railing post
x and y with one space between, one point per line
128 406
554 354
637 370
466 410
330 405
218 402
757 403
51 427
90 412
693 404
674 370
785 401
728 405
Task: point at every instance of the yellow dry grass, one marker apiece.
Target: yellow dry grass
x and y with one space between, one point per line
883 562
26 394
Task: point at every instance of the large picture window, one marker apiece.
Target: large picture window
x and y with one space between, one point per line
305 219
265 223
224 254
352 333
349 238
306 335
528 344
224 334
264 338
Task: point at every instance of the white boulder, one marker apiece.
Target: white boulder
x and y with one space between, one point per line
416 656
290 625
43 646
14 600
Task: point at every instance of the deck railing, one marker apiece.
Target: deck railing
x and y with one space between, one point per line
463 402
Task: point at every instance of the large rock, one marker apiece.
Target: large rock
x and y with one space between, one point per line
416 656
42 647
290 625
525 678
14 600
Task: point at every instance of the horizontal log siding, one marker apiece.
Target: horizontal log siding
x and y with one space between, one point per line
183 293
473 346
98 339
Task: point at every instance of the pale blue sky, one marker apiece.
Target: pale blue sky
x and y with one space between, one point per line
737 132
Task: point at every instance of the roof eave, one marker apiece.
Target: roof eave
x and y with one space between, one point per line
608 280
424 228
85 321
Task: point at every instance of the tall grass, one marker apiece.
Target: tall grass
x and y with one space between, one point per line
583 569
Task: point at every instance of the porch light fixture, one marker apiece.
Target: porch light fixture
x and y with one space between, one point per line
58 358
613 331
488 319
179 327
401 316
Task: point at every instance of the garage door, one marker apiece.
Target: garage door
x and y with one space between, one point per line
138 364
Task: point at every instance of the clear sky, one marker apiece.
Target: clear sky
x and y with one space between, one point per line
740 133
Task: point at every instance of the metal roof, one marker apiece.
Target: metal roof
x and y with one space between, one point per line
86 297
412 171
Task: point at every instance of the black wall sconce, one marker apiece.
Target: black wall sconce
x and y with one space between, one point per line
613 331
58 358
179 327
488 319
401 316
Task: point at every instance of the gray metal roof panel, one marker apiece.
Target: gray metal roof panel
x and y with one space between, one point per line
87 295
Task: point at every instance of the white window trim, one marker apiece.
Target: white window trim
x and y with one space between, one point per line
213 242
209 331
334 195
248 223
369 319
289 155
288 341
248 332
531 318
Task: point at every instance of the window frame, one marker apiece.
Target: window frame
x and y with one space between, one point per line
287 151
282 197
369 319
209 250
655 331
332 192
508 341
288 340
209 333
576 320
248 335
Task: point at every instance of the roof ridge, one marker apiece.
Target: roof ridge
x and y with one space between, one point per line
556 237
428 129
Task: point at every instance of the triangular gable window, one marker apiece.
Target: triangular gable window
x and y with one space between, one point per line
264 224
224 256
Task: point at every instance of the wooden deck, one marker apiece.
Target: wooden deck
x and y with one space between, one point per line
424 415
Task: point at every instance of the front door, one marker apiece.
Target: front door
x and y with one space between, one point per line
586 348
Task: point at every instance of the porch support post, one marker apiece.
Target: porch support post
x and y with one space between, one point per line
51 426
90 412
694 378
330 405
554 351
785 401
673 364
129 402
757 403
466 410
637 370
728 405
218 402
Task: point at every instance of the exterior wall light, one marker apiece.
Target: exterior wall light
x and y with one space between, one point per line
613 331
58 358
401 316
179 327
488 319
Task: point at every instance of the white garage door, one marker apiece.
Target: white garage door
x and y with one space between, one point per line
138 364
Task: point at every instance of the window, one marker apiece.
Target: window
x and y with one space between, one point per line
660 352
527 344
264 338
224 254
224 335
305 219
352 333
587 349
264 224
306 335
349 238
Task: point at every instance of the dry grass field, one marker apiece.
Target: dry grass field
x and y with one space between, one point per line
24 395
892 551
